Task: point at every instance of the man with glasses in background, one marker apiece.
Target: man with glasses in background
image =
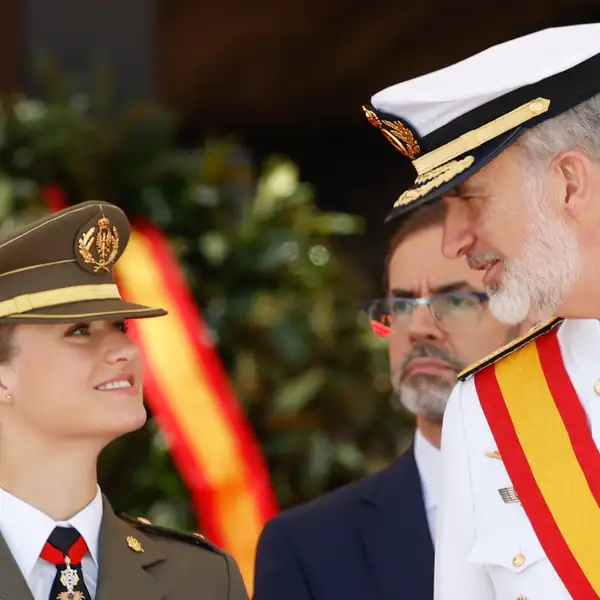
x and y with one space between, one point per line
373 539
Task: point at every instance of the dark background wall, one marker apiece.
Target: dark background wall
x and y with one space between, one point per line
285 77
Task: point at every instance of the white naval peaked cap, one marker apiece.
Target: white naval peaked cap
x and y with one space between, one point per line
453 121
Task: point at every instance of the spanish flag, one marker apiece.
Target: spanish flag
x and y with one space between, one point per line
210 439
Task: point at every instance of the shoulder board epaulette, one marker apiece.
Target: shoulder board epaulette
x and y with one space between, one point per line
515 344
191 538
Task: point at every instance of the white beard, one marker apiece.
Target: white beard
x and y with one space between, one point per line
427 396
536 282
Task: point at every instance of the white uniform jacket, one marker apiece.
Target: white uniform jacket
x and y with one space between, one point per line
486 548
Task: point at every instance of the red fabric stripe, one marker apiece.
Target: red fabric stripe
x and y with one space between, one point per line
571 410
56 557
517 466
256 470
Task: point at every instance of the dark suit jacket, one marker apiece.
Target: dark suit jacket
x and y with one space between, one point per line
172 566
366 541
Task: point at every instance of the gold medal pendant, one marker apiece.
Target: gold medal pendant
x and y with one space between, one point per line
69 579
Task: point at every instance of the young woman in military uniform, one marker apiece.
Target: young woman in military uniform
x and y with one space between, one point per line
70 383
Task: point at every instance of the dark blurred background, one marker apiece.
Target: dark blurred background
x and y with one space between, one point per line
285 77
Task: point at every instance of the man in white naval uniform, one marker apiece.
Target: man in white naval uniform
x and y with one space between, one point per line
490 549
509 140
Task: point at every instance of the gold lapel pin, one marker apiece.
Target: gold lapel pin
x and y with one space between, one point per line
493 454
134 544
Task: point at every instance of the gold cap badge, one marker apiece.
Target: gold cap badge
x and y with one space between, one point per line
400 136
134 544
99 245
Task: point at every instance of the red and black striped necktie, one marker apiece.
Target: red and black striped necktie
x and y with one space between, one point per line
66 548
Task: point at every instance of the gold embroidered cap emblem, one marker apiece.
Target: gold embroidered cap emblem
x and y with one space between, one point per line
99 245
400 136
134 544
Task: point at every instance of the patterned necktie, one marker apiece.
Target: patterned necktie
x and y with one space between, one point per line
66 548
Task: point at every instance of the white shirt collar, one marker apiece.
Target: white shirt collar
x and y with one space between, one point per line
26 529
428 459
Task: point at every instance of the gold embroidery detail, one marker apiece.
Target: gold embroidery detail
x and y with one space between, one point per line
400 136
134 544
433 179
477 137
511 347
105 243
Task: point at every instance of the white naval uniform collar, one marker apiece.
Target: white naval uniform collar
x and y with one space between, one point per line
26 529
428 459
579 341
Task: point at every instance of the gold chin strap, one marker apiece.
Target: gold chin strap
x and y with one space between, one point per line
76 293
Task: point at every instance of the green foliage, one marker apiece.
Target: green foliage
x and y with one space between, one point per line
282 303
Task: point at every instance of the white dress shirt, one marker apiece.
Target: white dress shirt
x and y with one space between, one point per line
486 548
428 459
26 530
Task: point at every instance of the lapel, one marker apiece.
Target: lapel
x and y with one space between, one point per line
12 584
396 534
122 572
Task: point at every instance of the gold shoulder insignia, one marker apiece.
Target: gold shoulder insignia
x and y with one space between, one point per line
156 530
490 359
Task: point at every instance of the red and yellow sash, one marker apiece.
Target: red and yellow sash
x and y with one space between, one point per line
544 440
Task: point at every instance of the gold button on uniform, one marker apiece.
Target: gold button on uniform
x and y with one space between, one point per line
518 560
597 387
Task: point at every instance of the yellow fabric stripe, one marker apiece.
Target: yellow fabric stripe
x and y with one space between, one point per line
77 293
172 358
546 444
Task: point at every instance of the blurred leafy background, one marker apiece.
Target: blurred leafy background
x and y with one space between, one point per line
281 299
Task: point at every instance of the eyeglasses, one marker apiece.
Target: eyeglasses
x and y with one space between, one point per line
453 311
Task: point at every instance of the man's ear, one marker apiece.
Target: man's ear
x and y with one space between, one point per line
576 173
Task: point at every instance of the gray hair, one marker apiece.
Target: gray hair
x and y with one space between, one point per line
575 129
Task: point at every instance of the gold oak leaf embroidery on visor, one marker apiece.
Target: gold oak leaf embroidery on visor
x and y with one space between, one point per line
433 179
